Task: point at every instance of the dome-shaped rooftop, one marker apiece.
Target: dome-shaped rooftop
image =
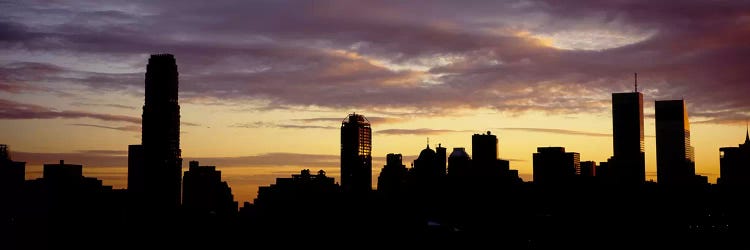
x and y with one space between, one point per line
427 153
459 152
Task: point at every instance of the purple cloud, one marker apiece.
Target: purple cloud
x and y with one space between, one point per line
15 110
418 131
131 128
394 55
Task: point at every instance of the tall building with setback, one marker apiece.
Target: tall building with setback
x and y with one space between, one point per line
159 169
629 160
675 163
205 194
735 166
356 158
553 166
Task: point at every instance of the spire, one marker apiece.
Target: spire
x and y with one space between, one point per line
636 81
747 134
428 142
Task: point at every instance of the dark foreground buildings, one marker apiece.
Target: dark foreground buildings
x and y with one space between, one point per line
155 167
553 166
205 194
675 164
356 154
628 164
735 166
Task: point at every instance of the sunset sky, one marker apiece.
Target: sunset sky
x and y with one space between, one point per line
264 85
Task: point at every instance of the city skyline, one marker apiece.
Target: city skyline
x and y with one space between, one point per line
268 104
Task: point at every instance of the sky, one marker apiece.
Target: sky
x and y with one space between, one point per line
264 85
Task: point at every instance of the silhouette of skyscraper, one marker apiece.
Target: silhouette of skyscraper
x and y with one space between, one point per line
392 178
553 166
674 156
356 158
735 166
160 171
629 161
205 194
484 149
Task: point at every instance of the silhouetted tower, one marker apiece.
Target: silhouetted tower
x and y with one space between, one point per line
356 158
735 166
552 165
205 194
392 178
484 149
675 162
161 133
629 160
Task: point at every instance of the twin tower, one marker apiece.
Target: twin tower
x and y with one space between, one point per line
675 164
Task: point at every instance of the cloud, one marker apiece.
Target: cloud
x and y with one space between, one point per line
510 56
15 110
104 152
418 131
562 132
558 131
130 128
111 105
261 124
372 119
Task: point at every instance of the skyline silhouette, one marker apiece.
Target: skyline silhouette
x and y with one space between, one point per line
440 199
524 124
252 81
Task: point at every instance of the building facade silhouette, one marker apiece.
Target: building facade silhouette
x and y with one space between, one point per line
459 164
554 166
675 164
205 194
156 170
393 176
735 166
587 168
628 164
484 149
427 167
356 154
12 173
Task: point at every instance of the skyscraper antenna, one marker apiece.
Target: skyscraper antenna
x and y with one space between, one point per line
428 142
636 81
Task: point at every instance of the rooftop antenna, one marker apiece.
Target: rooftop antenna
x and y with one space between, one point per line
636 81
428 142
